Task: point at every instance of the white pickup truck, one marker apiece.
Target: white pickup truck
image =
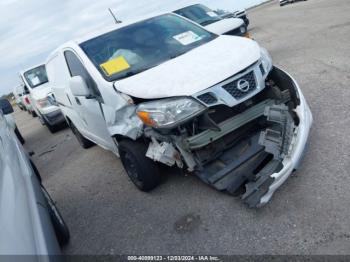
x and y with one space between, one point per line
165 91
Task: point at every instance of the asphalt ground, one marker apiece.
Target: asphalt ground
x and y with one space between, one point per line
309 214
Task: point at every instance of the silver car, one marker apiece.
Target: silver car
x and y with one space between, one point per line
30 223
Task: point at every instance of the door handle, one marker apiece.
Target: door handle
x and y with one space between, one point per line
78 101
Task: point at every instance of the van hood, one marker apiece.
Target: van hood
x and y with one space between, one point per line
41 91
194 71
225 25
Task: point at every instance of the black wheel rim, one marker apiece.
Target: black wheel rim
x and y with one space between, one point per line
131 168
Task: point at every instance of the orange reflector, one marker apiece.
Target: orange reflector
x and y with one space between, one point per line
146 118
247 35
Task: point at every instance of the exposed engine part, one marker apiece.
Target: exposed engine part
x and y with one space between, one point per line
164 152
277 138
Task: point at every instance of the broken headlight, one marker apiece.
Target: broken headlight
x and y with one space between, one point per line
167 113
266 60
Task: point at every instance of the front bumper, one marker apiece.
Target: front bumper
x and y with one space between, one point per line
231 169
297 147
54 118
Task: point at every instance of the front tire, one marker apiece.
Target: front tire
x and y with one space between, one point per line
142 171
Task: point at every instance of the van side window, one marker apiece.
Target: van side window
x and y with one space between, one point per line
76 68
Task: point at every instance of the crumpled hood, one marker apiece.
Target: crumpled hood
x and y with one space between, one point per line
225 25
41 91
194 71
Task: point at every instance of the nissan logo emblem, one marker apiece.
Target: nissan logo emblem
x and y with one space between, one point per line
243 85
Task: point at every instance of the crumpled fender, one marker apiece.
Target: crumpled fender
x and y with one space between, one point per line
123 122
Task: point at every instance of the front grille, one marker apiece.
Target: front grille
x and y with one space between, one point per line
207 98
233 88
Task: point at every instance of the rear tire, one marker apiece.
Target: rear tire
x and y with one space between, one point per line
34 114
142 171
85 143
60 227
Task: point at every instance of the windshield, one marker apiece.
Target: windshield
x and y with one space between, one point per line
36 77
141 46
200 14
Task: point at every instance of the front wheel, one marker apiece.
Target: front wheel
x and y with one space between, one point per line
142 171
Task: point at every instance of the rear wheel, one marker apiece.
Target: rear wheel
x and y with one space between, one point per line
60 227
142 171
85 143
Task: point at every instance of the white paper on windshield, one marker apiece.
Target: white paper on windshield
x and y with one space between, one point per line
187 38
212 14
35 81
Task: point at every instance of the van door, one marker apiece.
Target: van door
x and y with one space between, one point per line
93 124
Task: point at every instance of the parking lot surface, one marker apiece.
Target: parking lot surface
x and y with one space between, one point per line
309 214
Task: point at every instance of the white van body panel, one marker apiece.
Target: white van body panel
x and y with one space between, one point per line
225 25
90 117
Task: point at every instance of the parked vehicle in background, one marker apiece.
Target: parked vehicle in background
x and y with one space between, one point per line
27 103
29 220
11 120
213 22
284 2
242 14
40 97
164 91
18 93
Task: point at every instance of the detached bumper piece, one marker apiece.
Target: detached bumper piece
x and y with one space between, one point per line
248 165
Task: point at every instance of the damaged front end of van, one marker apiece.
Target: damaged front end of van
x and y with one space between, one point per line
244 136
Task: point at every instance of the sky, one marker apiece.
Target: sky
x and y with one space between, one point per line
31 29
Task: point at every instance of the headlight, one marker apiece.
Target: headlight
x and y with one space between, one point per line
243 30
44 102
266 60
168 112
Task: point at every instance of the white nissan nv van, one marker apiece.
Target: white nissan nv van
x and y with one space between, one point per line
165 91
40 96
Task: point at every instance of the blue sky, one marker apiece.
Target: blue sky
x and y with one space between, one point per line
31 29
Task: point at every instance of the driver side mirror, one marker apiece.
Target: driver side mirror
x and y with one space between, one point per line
78 86
6 107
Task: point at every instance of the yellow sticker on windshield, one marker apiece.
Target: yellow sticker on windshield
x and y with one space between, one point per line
115 65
